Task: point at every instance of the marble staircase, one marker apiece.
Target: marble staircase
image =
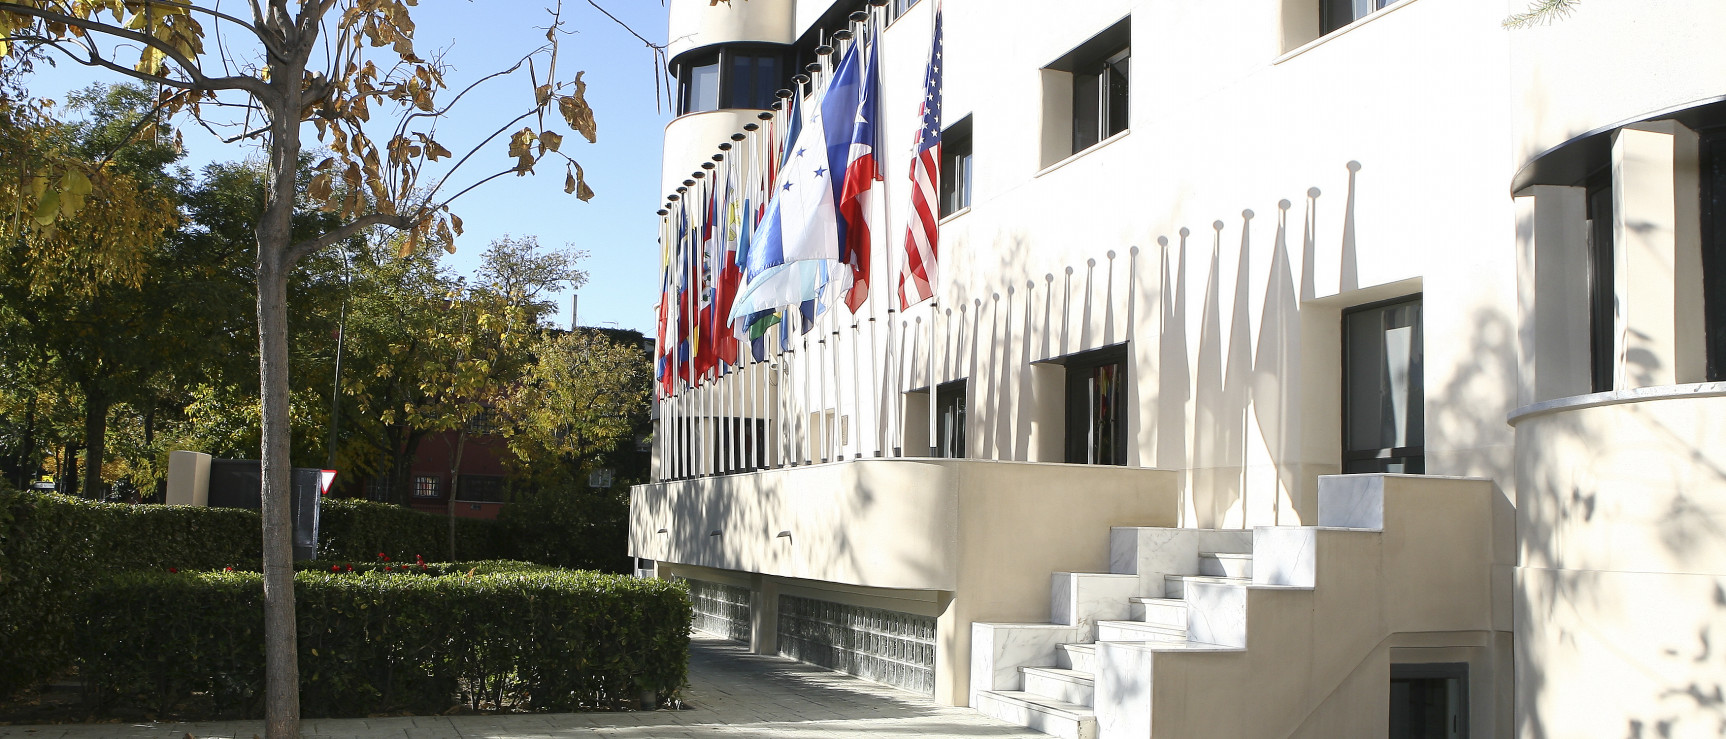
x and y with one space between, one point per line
1178 604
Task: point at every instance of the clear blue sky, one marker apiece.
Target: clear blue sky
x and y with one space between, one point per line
617 228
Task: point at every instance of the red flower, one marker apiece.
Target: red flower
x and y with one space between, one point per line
335 568
230 569
173 569
381 556
350 568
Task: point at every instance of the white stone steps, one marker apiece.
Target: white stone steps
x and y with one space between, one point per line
1050 716
1139 631
1160 611
1226 564
1071 686
1174 586
1082 657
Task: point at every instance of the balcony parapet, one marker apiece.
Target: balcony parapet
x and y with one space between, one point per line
921 524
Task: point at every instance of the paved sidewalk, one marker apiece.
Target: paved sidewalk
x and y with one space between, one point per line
731 694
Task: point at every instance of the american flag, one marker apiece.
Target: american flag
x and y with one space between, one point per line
916 282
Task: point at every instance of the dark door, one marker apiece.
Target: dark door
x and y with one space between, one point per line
1383 391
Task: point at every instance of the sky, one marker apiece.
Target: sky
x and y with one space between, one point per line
617 228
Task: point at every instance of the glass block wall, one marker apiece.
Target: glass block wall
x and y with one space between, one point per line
885 646
721 610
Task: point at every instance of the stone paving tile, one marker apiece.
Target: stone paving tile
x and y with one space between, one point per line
731 694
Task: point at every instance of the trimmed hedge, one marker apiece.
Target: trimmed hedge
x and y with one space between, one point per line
514 635
53 547
359 529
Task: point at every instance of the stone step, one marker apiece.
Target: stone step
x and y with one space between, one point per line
1050 716
1174 586
1160 611
1226 564
1071 686
1082 657
1139 631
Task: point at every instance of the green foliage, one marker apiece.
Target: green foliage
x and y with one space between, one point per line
358 530
570 525
510 635
53 548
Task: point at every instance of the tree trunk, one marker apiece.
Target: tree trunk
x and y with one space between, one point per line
275 239
95 441
29 463
454 485
69 470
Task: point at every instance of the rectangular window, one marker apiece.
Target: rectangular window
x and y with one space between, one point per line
1100 100
1097 406
1602 288
1383 390
700 85
1334 14
956 167
1098 71
896 8
1429 701
753 79
1713 153
950 421
481 489
426 486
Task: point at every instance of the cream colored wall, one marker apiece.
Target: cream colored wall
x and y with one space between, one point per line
1612 62
1622 587
698 23
987 534
1433 587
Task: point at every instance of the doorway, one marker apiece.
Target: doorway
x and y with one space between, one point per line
1383 388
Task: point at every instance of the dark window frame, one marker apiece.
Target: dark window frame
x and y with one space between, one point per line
1079 369
1602 281
724 60
1414 455
949 440
1712 153
1101 71
957 167
1411 672
423 483
1334 15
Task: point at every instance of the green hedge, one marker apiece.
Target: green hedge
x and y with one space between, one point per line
359 529
510 635
53 547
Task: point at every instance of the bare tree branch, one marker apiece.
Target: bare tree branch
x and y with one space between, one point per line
190 67
355 226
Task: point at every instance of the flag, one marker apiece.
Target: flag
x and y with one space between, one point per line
797 238
916 282
860 176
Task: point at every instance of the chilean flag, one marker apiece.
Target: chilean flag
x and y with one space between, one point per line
849 107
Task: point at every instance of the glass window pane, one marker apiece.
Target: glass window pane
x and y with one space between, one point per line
1383 377
1115 74
1087 101
701 91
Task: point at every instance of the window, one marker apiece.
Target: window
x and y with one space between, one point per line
1713 190
956 167
1097 406
1383 388
426 486
481 488
1098 72
1602 289
1429 701
896 8
733 76
950 419
1334 14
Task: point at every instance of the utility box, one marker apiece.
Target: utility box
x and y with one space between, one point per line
188 478
238 483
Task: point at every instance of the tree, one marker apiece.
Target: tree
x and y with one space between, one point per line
581 401
1541 11
278 72
76 285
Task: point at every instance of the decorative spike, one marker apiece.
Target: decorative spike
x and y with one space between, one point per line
740 137
726 146
858 16
783 94
751 127
842 34
812 67
824 50
803 79
674 198
706 166
664 212
699 175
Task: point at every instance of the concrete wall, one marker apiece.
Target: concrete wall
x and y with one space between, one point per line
985 534
1622 585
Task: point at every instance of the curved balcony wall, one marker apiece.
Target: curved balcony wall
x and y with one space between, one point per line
694 138
1621 514
1611 62
699 23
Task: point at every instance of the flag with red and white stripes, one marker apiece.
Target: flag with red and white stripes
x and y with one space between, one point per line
917 280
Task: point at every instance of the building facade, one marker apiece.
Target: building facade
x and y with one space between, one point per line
1294 367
